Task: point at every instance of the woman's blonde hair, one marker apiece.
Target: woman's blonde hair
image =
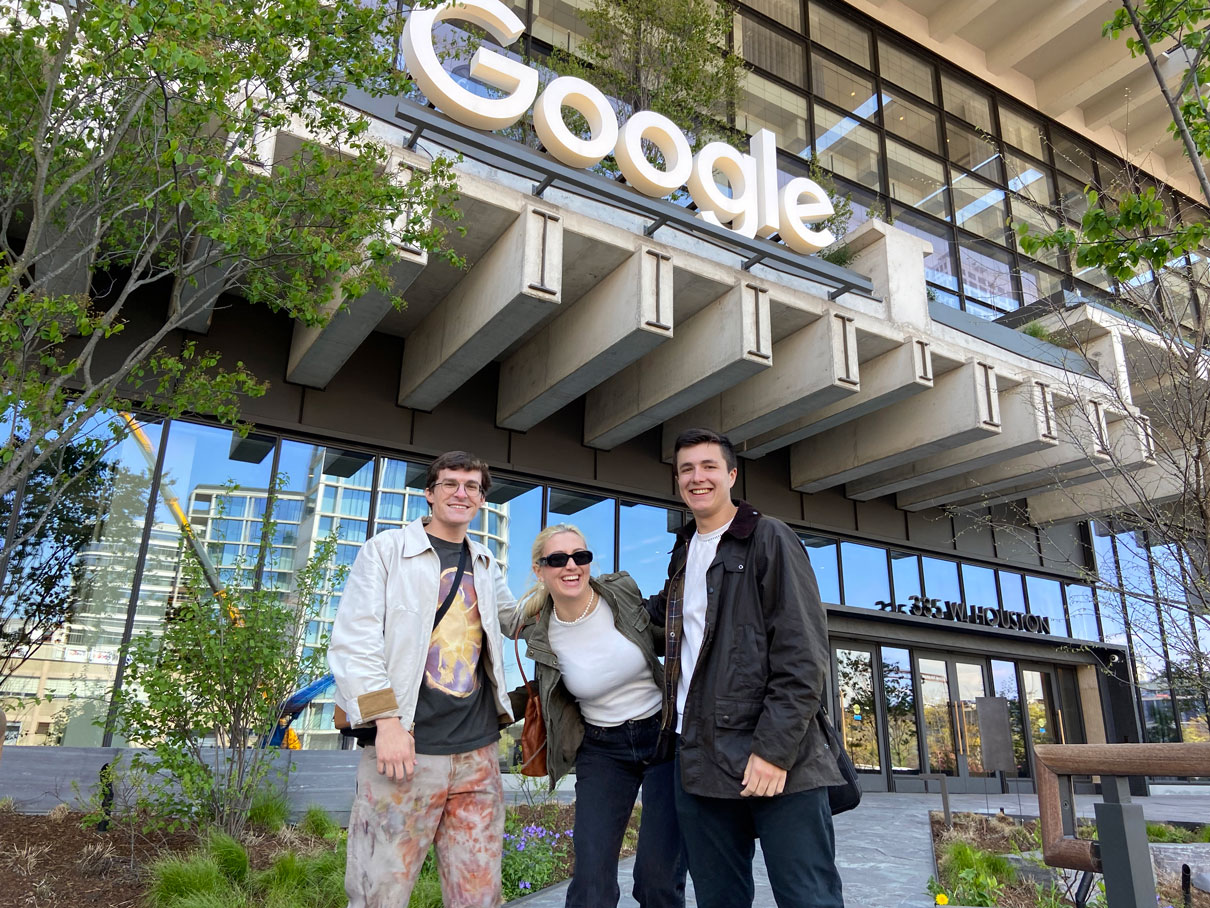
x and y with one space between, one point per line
536 596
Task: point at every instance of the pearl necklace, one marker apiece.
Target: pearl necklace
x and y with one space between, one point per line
592 600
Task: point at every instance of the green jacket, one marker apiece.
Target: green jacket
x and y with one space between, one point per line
564 723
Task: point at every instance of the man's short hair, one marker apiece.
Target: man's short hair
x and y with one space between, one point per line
458 460
691 437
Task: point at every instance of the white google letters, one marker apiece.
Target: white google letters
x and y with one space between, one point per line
753 206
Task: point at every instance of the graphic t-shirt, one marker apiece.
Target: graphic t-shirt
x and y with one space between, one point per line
456 712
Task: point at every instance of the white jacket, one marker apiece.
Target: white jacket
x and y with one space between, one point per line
380 638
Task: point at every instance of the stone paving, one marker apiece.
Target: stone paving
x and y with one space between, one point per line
883 848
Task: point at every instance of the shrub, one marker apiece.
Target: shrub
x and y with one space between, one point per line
270 809
230 856
973 876
316 822
174 878
1165 832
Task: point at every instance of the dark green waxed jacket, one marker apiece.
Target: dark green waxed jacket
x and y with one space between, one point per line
564 723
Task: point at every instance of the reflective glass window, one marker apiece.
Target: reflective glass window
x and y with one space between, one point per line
839 35
866 580
519 505
1046 599
979 585
906 70
1072 199
823 553
1167 562
847 89
855 692
1134 565
787 12
559 23
594 515
899 700
941 579
1012 590
847 148
967 102
1113 617
911 121
1022 131
905 572
939 265
1004 684
1039 706
646 536
973 150
1038 283
1081 611
764 104
980 207
1040 221
770 50
987 274
917 179
1028 178
1071 155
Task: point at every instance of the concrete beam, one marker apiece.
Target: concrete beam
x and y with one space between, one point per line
1079 444
318 353
625 316
197 294
1157 484
1080 77
894 261
961 408
812 368
1028 419
954 15
1035 31
717 348
1128 99
514 286
885 380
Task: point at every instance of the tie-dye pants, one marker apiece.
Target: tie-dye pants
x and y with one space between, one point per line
455 802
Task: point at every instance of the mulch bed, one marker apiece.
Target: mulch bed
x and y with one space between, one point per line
54 862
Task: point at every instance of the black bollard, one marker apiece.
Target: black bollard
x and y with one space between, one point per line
1187 885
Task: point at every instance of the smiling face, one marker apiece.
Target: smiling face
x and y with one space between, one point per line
705 483
453 511
571 580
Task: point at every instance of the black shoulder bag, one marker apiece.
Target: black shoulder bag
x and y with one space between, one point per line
366 734
847 794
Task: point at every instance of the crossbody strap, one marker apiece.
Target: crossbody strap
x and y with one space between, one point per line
449 597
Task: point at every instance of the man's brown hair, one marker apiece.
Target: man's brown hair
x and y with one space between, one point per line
458 460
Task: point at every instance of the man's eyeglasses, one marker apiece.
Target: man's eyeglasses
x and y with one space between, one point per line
559 559
450 487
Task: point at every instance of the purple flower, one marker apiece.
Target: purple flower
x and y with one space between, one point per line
523 885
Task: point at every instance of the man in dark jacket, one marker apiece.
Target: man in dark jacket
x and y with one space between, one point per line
747 650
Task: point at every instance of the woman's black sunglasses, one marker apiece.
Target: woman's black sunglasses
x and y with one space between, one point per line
559 559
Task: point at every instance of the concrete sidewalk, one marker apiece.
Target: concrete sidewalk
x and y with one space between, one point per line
884 849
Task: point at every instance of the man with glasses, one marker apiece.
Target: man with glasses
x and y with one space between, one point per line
416 654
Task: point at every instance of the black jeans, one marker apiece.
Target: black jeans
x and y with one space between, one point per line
796 838
611 764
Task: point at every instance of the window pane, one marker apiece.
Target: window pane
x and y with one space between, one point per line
905 572
941 579
973 150
855 690
979 585
966 101
593 515
520 507
1038 283
765 104
1081 611
1072 155
848 90
987 274
645 539
939 266
910 121
1072 200
906 70
839 35
917 180
1004 684
1046 599
980 207
1040 221
771 51
1030 179
1022 131
900 702
823 555
866 580
787 12
846 148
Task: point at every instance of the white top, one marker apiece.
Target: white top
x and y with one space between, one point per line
702 549
605 672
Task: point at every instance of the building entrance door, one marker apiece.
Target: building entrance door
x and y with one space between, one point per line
949 689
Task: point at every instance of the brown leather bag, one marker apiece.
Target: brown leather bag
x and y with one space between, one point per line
533 732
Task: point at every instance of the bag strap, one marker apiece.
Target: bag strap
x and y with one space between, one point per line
517 650
449 597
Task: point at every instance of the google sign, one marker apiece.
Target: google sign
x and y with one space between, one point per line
754 206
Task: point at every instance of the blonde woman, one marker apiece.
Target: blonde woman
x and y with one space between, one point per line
600 683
